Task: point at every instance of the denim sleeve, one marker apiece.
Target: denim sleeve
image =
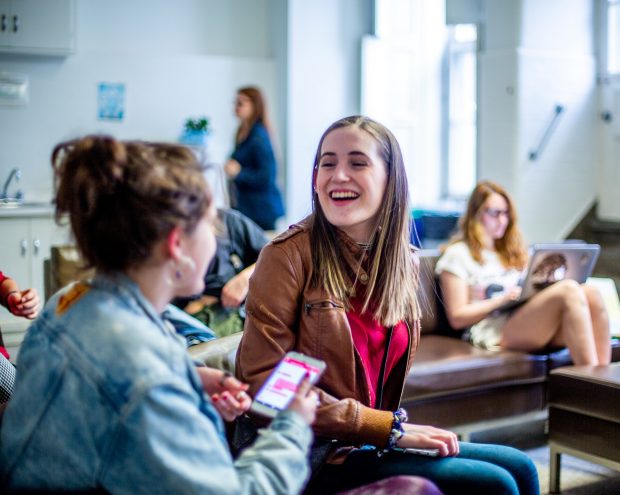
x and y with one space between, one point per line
186 325
278 460
166 444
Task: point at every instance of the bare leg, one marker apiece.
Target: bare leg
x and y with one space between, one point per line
558 315
600 323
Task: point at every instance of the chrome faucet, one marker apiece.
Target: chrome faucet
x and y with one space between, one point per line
15 174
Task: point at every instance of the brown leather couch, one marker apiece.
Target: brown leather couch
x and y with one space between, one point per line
65 266
452 384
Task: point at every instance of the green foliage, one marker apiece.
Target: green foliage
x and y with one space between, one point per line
199 124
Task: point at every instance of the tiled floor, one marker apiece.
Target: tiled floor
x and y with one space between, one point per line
578 476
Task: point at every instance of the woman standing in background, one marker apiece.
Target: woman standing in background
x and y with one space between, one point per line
252 166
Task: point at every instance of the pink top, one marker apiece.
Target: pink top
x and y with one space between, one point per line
369 338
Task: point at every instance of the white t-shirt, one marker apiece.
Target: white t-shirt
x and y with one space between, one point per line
487 279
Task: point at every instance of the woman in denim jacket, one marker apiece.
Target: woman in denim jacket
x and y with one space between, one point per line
107 397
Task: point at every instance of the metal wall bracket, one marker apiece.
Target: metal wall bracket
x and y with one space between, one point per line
535 154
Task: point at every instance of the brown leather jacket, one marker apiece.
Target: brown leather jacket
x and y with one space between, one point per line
284 313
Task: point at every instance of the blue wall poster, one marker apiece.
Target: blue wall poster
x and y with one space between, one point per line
111 101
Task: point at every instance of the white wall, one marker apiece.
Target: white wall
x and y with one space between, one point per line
402 88
177 59
324 43
609 176
556 190
186 58
552 62
498 34
557 65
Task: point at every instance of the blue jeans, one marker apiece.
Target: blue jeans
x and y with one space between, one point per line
478 469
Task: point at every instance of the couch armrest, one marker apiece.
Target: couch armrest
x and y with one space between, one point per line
218 353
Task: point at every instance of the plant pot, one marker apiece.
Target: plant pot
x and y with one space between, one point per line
194 138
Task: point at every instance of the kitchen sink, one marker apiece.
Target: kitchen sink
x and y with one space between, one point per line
20 203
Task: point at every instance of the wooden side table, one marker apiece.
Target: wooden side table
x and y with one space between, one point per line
584 417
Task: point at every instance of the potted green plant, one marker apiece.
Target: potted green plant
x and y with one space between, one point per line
195 131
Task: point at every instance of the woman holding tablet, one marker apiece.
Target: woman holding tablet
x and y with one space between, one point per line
479 271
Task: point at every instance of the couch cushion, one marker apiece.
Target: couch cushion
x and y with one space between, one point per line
562 357
218 353
434 319
443 365
453 383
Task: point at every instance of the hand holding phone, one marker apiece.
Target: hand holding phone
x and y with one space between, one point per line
305 402
278 391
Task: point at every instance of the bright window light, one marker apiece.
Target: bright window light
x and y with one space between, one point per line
462 103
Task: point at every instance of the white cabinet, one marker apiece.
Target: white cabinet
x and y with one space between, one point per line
44 27
25 243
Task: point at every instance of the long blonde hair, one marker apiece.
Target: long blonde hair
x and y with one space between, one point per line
392 286
510 248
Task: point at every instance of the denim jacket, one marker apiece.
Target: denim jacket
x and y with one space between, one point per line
107 397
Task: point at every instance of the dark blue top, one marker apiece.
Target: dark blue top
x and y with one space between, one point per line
257 195
237 248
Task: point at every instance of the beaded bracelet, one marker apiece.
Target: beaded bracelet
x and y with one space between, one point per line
400 417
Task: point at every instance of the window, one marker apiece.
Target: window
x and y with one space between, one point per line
419 79
460 152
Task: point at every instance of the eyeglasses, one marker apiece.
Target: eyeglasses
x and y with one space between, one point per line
496 212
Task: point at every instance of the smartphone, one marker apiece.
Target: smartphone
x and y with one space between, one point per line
427 452
277 392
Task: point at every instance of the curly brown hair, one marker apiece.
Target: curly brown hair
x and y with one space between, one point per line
123 197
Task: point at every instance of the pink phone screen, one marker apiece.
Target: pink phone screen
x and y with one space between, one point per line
283 382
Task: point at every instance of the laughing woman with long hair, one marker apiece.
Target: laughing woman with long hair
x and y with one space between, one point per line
341 286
